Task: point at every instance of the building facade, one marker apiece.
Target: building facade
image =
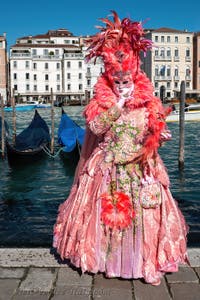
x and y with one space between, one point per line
196 61
170 61
52 61
3 68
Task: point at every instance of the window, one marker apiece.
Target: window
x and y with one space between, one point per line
156 38
187 52
27 64
156 71
156 52
34 66
57 66
14 64
176 53
46 77
68 76
168 71
168 52
168 39
15 76
15 87
1 44
187 39
46 66
80 76
88 82
156 84
34 51
168 84
46 87
56 52
176 39
69 87
80 87
58 87
162 52
68 64
176 71
27 87
58 77
35 77
35 88
27 75
199 63
176 85
162 39
80 64
46 52
187 84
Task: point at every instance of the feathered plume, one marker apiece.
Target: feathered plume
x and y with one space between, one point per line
126 32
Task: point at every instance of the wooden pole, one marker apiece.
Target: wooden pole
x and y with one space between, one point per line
2 127
13 117
52 122
181 127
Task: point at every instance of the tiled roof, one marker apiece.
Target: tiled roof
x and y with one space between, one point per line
170 30
51 33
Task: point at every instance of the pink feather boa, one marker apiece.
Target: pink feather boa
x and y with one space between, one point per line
142 96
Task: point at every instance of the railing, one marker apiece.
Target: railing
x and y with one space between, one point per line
162 58
20 54
159 77
73 55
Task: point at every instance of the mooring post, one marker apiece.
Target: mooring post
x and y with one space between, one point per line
13 116
2 127
52 122
181 127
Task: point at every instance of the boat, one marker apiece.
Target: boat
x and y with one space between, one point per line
29 144
70 136
192 113
21 107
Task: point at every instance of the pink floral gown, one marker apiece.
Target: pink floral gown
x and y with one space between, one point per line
155 240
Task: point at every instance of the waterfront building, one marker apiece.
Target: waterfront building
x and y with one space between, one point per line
170 61
54 60
3 67
196 61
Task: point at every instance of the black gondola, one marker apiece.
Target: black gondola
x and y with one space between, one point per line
30 142
70 137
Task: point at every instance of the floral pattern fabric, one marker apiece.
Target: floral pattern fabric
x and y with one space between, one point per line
151 239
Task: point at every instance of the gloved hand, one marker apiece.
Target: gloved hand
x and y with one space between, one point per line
124 95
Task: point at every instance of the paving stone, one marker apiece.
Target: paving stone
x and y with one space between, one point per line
183 275
111 288
11 272
70 277
145 291
72 293
38 280
101 282
197 270
7 288
185 291
194 257
22 295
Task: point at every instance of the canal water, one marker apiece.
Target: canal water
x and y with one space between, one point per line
30 194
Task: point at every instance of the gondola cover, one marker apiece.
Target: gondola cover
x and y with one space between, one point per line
69 133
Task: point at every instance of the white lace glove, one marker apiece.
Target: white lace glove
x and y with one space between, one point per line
124 95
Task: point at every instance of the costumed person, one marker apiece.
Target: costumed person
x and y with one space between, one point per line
120 217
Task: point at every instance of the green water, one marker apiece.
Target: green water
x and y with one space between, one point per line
30 194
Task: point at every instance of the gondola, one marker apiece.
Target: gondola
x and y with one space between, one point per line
6 132
30 142
70 137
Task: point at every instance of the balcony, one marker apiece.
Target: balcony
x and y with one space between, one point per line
187 58
176 78
188 77
20 55
162 78
176 58
162 58
73 55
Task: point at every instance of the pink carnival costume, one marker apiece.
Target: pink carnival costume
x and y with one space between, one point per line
120 217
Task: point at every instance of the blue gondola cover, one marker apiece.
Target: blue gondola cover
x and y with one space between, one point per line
69 133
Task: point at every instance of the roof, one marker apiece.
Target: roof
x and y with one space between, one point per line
51 33
167 30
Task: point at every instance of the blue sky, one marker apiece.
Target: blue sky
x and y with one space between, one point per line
21 18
